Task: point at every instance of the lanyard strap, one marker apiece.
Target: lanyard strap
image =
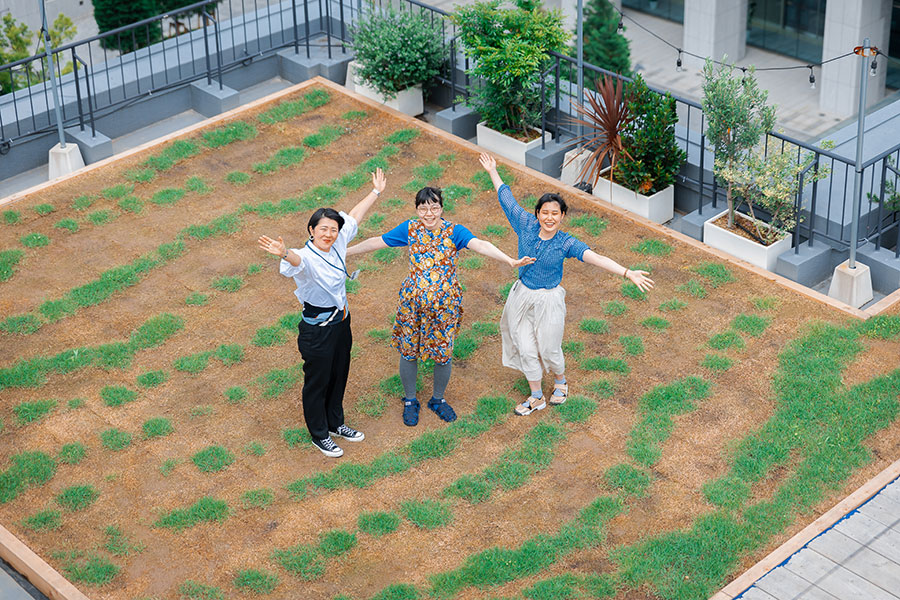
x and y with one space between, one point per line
342 268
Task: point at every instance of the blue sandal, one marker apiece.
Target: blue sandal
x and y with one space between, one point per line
410 412
442 409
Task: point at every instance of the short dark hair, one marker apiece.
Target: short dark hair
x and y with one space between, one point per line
550 197
325 213
427 195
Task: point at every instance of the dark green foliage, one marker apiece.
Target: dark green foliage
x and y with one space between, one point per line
305 561
426 514
228 283
295 108
8 261
151 379
34 240
751 324
378 523
257 581
157 427
604 45
673 305
110 15
693 288
100 217
77 497
237 178
93 570
336 542
728 339
173 154
27 469
260 498
198 591
402 136
234 131
592 224
593 325
115 395
115 439
204 510
632 345
277 381
67 224
131 204
167 196
629 290
45 520
627 479
714 273
602 363
655 323
212 459
72 454
29 412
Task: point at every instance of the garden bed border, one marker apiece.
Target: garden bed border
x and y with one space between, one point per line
51 583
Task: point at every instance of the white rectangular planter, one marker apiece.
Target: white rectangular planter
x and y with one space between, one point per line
504 145
740 247
409 101
659 208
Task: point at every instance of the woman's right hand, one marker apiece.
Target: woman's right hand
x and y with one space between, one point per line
271 246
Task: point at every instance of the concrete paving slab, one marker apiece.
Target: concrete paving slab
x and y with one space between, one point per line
874 534
892 491
787 585
865 562
755 593
834 578
884 510
15 587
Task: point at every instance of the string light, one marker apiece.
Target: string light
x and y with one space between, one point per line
621 23
812 78
678 67
874 64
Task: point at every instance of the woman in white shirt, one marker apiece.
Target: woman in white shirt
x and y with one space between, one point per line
324 338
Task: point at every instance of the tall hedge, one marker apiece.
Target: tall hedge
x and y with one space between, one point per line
604 45
111 14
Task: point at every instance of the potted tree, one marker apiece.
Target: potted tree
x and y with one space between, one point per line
509 50
396 54
770 183
633 128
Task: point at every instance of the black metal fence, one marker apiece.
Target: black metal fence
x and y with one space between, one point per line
105 79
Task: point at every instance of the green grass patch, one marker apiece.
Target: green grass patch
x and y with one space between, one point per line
386 255
371 405
379 335
471 263
83 202
26 469
206 509
35 240
455 193
255 448
673 305
45 520
157 427
693 288
716 362
880 327
573 348
236 394
228 283
256 581
171 155
615 308
632 345
495 231
197 185
282 159
116 395
304 561
72 454
131 204
266 337
117 191
295 108
118 543
194 590
201 410
229 354
627 479
427 514
152 379
726 340
212 459
77 497
402 136
21 324
629 290
237 178
753 325
232 132
652 247
167 466
31 412
115 439
145 175
354 115
656 323
602 388
483 181
259 498
70 225
378 523
324 136
336 542
505 289
592 224
11 217
92 570
577 409
715 274
44 209
277 381
167 196
594 326
765 302
296 437
100 217
75 403
603 363
8 261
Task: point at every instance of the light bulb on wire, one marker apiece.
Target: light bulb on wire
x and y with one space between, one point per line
678 67
872 69
812 78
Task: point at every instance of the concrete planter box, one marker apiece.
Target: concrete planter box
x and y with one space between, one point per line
659 208
740 247
504 145
410 101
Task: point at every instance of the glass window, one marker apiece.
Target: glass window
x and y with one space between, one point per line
791 27
672 10
893 68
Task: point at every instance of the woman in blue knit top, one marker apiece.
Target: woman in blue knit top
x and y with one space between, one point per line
535 312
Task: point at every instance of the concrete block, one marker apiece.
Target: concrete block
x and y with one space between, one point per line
884 266
573 162
692 223
851 286
335 69
94 147
209 100
296 67
549 159
460 122
808 265
64 160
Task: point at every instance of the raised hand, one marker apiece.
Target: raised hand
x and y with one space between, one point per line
378 180
488 162
271 246
640 279
525 260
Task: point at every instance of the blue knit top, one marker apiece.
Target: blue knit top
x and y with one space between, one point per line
547 270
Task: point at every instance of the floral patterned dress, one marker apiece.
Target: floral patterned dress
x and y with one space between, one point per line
430 310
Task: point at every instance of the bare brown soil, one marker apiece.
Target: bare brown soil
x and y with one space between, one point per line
133 492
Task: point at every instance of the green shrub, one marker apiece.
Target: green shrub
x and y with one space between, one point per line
77 497
34 240
115 439
212 459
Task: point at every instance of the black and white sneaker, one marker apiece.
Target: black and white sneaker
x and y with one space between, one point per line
328 447
348 433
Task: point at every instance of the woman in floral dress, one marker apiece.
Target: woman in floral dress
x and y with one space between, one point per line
430 309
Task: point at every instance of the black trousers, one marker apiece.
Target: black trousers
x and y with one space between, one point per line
326 364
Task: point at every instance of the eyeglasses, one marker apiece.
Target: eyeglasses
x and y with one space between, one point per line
432 208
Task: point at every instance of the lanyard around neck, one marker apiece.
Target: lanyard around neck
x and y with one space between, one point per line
342 268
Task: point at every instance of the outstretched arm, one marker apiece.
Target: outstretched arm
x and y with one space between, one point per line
491 251
490 165
373 243
278 248
379 182
638 278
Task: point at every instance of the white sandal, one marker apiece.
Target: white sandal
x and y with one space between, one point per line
557 399
528 406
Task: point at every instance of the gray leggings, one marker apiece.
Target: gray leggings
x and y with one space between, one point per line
409 370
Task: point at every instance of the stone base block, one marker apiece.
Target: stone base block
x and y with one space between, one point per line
548 160
460 122
851 286
884 266
808 266
692 223
297 68
209 100
94 148
64 160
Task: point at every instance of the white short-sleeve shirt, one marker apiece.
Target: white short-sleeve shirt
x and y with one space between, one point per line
320 278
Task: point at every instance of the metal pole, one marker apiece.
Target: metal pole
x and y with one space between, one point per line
48 49
579 44
860 131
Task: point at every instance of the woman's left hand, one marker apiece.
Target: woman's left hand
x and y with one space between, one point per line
640 279
525 260
379 182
